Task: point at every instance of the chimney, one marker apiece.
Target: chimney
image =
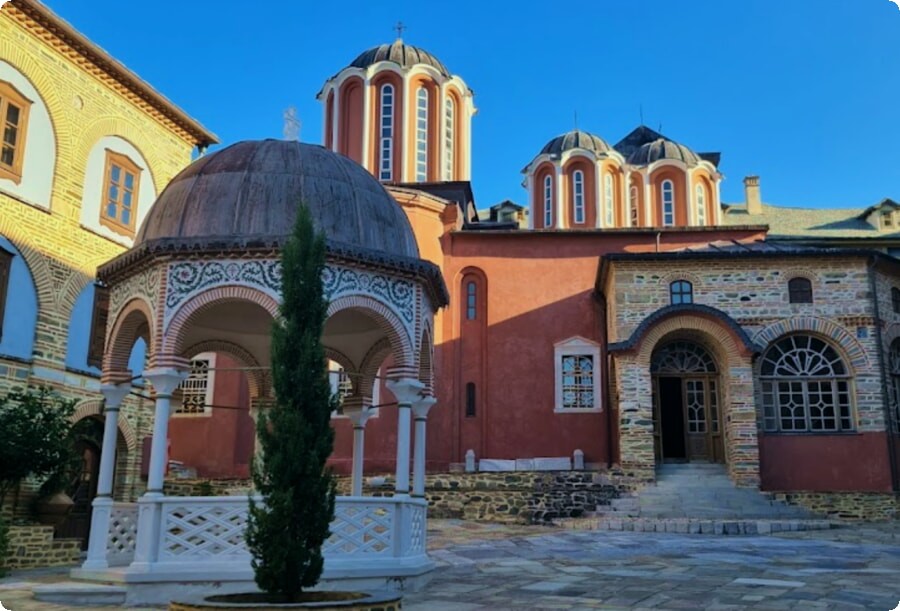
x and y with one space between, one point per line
751 195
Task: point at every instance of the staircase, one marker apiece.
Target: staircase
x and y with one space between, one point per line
697 498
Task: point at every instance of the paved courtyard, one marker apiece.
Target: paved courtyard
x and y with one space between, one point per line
484 566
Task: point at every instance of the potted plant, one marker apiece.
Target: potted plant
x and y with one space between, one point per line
286 531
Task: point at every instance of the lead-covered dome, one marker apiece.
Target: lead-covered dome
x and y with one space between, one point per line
252 190
576 139
662 148
404 55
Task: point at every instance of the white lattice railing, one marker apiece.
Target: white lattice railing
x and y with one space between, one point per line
122 534
212 529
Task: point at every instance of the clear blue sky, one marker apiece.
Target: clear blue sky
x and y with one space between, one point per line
804 93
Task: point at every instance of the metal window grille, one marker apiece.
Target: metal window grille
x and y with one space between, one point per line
194 388
578 381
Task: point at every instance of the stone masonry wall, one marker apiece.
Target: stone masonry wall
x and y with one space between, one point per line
846 505
34 546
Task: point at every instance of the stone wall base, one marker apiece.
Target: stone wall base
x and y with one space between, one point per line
846 505
34 546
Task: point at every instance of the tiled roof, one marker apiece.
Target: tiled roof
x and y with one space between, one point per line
786 223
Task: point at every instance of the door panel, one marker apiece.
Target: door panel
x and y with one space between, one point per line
697 414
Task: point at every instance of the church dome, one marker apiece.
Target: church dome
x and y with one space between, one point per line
576 139
251 191
662 148
405 56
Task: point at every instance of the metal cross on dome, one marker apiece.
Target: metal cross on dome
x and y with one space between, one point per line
399 27
291 124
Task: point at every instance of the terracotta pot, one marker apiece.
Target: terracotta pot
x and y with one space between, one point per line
341 601
52 510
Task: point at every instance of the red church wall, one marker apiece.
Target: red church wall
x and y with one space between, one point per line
218 445
350 127
826 463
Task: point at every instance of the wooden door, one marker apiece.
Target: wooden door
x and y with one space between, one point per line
82 490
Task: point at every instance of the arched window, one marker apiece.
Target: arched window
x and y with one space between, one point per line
449 122
386 162
548 201
13 119
668 203
895 383
895 300
471 300
634 213
681 291
805 387
422 134
470 400
608 200
800 290
701 205
578 195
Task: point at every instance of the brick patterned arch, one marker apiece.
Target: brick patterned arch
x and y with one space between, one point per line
719 338
37 263
259 382
130 323
125 130
347 363
371 364
426 360
388 322
94 408
843 340
71 290
173 335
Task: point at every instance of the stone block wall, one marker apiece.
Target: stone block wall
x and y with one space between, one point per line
34 546
873 506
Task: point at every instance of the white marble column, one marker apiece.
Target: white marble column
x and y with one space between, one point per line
164 380
358 413
420 414
407 391
113 395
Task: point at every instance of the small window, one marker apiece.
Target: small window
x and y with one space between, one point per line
887 219
701 205
118 210
548 201
197 388
578 381
387 132
668 200
422 135
609 200
449 124
471 296
5 266
470 400
633 206
13 121
578 193
800 290
895 299
681 291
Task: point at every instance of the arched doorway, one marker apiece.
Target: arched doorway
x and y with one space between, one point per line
82 487
686 417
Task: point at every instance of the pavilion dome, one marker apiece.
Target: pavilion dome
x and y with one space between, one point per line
662 148
251 190
576 139
400 53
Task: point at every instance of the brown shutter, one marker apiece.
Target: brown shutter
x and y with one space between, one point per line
98 326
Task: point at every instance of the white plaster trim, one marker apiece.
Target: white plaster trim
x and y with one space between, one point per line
576 346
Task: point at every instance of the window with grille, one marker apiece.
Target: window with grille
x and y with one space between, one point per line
681 291
118 210
196 389
609 200
800 290
548 201
449 126
578 195
577 376
805 387
633 206
471 300
13 123
701 205
422 135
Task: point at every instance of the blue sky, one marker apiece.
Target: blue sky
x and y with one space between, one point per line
804 93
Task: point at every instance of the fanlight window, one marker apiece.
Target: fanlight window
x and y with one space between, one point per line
387 131
548 201
578 193
805 387
668 200
682 357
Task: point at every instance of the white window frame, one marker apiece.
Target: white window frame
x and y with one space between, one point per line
208 400
609 200
548 201
422 134
668 203
386 152
449 123
576 346
634 212
578 195
701 204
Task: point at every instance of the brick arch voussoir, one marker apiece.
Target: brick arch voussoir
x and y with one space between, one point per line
843 340
71 290
125 331
721 341
258 381
173 335
371 363
426 360
93 408
37 263
388 322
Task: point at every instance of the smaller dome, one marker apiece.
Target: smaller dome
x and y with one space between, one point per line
661 148
405 56
575 139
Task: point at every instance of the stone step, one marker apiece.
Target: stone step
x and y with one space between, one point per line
76 593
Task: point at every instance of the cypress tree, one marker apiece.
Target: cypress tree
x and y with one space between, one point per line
286 532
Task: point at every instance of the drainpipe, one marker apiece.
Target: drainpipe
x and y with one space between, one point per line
889 429
658 234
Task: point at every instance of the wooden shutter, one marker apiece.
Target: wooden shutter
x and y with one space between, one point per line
98 326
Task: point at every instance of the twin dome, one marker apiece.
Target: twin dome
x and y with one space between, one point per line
649 152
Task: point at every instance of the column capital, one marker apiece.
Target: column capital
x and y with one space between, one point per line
114 395
407 390
165 379
422 406
355 409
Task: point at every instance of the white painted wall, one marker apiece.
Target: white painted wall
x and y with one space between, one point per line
40 145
